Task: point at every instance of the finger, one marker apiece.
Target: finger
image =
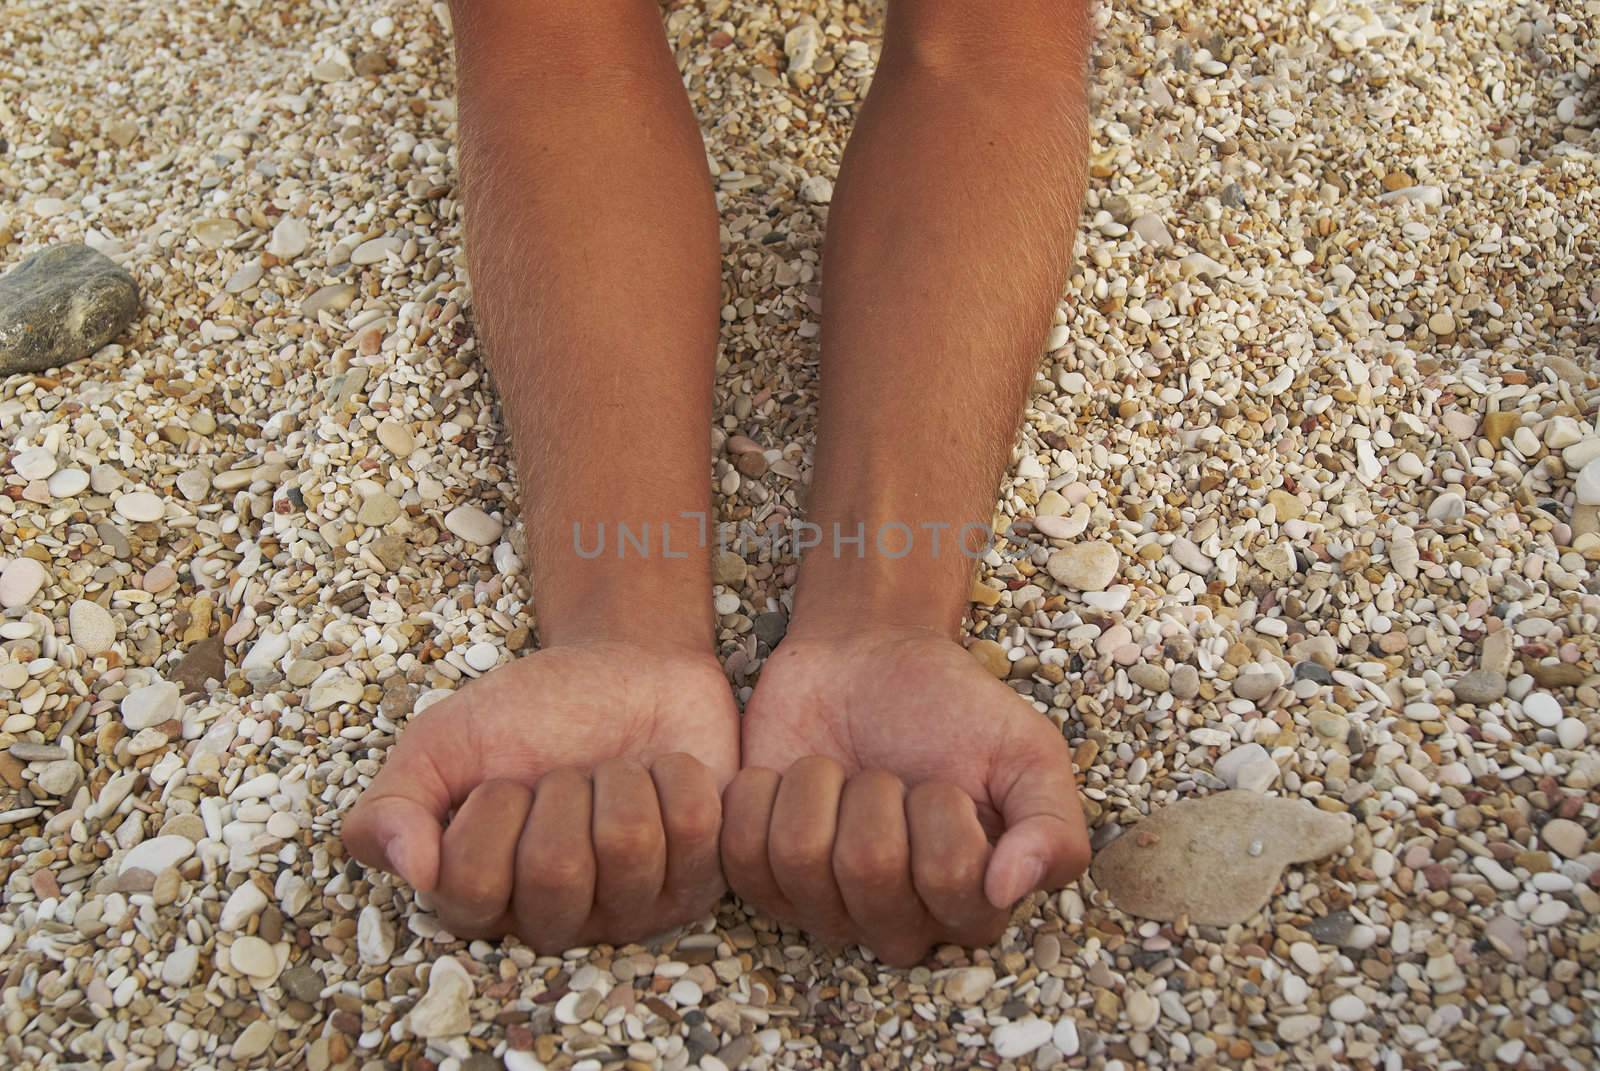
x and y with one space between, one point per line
805 816
872 864
554 891
691 818
398 821
478 863
630 849
949 855
1045 844
746 818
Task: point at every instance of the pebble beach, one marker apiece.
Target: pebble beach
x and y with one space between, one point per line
1305 557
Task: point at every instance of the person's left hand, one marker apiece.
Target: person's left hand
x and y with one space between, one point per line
877 767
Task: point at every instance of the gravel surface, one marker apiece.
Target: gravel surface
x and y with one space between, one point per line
1321 399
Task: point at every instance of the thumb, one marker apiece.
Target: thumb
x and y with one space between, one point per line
398 823
396 834
1045 843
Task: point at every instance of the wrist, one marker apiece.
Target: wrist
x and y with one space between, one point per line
652 593
914 579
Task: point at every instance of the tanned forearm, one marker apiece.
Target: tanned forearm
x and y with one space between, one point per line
948 243
592 242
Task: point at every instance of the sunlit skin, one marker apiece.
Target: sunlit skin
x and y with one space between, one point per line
892 792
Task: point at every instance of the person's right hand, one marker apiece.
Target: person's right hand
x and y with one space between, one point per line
570 797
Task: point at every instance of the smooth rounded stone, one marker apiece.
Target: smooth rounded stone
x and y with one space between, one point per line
266 652
1293 1029
1447 507
1215 859
335 297
374 936
332 690
244 278
140 507
20 581
1348 1008
728 568
194 484
151 705
1065 1037
376 250
482 656
770 627
61 778
290 236
1587 484
157 854
159 578
179 968
60 305
34 464
991 656
104 479
1188 556
1142 1010
473 525
1294 988
254 1040
92 627
243 904
1505 934
1543 708
686 993
1150 677
1085 566
67 483
969 985
1255 684
252 956
378 509
216 232
1112 600
1571 733
1011 1040
1550 913
1185 682
282 825
302 982
1249 768
1330 726
396 438
302 671
443 1009
1564 837
1479 687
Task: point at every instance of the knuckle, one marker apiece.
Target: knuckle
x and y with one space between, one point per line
874 864
802 852
694 819
627 842
950 879
557 873
477 891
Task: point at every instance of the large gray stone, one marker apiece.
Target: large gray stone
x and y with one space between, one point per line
60 305
1215 859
